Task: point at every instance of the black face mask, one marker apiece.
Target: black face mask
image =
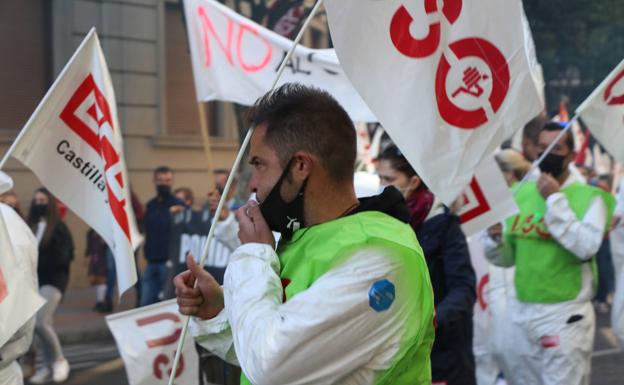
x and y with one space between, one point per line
283 217
40 210
553 164
163 191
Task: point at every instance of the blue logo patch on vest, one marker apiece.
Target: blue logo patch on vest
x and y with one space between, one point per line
381 295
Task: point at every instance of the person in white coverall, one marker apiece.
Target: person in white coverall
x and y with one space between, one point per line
617 254
25 249
346 297
552 242
493 324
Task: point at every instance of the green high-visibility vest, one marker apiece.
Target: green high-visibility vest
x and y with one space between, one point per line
314 251
546 272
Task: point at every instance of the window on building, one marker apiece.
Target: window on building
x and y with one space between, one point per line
26 65
182 109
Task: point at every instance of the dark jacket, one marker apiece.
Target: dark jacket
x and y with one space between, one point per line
157 222
55 258
453 280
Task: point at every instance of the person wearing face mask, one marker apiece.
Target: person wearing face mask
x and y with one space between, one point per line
552 243
346 297
157 223
56 251
452 276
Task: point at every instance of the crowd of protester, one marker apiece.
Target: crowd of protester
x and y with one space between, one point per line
526 324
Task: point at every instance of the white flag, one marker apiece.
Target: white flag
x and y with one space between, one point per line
73 143
480 318
487 200
147 339
603 112
19 298
449 83
236 60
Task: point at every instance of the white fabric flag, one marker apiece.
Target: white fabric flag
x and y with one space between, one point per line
617 254
235 59
603 112
449 84
19 298
480 318
147 339
487 200
73 143
617 310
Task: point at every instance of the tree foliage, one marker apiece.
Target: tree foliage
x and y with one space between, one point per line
578 42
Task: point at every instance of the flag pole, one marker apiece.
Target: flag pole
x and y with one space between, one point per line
239 157
545 153
203 126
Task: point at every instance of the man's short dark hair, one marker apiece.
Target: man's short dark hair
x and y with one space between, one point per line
309 119
557 126
532 129
162 170
187 192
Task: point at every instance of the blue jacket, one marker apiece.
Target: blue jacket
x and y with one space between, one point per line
453 280
157 223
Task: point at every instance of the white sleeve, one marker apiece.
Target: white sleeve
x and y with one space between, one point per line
215 335
581 237
226 231
287 343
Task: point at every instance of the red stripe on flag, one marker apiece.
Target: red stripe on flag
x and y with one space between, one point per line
482 204
4 291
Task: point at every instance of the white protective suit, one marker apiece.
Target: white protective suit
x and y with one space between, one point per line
491 332
25 248
312 338
617 254
551 344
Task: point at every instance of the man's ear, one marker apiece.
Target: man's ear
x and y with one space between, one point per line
302 165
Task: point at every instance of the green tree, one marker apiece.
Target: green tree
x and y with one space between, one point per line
578 43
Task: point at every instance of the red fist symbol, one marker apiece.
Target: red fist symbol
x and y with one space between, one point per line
420 48
473 80
483 49
614 100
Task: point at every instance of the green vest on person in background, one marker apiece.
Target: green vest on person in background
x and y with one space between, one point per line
546 272
315 250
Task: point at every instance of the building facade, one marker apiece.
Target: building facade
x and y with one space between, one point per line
147 52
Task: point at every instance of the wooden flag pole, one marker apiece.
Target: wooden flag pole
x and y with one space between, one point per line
205 133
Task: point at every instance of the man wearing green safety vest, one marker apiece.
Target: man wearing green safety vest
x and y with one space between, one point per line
346 297
553 241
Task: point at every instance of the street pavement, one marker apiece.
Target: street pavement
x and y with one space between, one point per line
94 358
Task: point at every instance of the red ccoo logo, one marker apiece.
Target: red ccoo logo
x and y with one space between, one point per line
100 137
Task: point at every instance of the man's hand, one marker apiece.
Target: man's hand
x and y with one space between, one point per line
213 203
173 210
204 301
547 185
252 226
496 232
